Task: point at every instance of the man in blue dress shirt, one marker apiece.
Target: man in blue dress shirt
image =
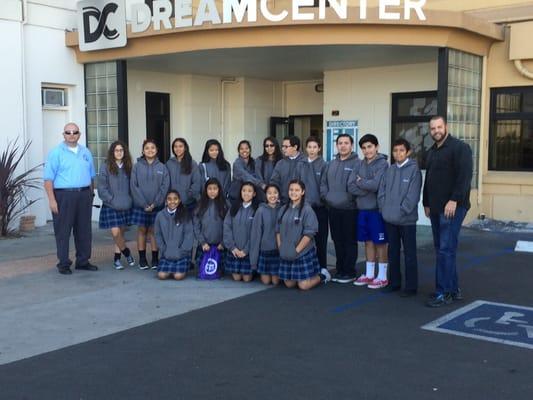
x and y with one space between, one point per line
68 181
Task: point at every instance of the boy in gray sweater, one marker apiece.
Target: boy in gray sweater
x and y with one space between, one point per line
398 196
364 183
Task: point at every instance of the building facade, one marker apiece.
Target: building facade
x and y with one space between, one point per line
237 69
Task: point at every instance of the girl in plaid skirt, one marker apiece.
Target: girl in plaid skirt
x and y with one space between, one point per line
264 251
295 232
174 236
149 185
114 189
209 219
237 230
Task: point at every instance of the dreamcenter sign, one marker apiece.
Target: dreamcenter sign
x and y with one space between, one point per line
102 23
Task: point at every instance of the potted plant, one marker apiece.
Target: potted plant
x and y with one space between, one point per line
13 187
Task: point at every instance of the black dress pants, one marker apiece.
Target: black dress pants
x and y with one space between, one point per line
75 209
343 226
321 238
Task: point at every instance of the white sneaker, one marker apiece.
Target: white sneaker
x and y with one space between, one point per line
325 272
118 265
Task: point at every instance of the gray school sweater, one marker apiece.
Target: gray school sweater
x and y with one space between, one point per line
287 170
366 189
149 183
243 173
269 168
334 185
292 228
210 170
399 193
114 190
263 236
313 180
174 240
188 186
209 227
237 229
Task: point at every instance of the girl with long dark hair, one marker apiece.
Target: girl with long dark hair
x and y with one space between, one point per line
297 227
237 230
214 165
265 163
113 186
174 236
209 218
244 170
184 174
149 185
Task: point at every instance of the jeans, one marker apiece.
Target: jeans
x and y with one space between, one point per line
343 228
445 239
402 235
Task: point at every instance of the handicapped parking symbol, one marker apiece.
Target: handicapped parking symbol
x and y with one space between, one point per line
495 322
508 319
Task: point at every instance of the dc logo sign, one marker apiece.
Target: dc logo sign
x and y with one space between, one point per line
101 24
211 266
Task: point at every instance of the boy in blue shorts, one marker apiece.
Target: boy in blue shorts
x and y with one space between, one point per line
364 184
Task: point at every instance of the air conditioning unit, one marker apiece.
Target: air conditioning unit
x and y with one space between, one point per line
53 97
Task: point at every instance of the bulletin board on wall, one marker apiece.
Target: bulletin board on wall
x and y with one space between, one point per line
336 128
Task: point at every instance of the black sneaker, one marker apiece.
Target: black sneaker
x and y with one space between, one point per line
440 300
390 289
343 278
143 264
86 267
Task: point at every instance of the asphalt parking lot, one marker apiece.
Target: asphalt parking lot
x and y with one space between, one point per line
130 337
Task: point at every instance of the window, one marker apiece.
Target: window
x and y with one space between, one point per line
53 97
101 108
511 129
411 113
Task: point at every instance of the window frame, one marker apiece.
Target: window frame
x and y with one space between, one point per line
495 117
395 118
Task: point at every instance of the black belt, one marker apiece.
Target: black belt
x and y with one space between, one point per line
78 189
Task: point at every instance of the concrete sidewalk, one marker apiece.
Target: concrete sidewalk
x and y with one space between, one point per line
66 310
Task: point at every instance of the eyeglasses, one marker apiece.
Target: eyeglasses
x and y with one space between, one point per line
269 145
71 132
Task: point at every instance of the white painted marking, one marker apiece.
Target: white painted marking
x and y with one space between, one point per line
524 246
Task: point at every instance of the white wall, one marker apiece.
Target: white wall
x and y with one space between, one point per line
301 98
365 95
34 54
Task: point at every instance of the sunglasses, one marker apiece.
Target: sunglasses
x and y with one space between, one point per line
71 132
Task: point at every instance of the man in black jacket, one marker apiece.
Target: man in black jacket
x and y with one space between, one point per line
446 201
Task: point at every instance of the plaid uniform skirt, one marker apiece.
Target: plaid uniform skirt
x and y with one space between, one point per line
268 263
174 266
111 218
304 267
142 218
236 265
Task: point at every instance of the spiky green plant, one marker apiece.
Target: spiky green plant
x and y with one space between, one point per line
13 188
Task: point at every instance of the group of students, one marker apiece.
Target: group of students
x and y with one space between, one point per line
272 215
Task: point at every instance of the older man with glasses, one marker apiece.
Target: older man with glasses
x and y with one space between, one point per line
68 181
